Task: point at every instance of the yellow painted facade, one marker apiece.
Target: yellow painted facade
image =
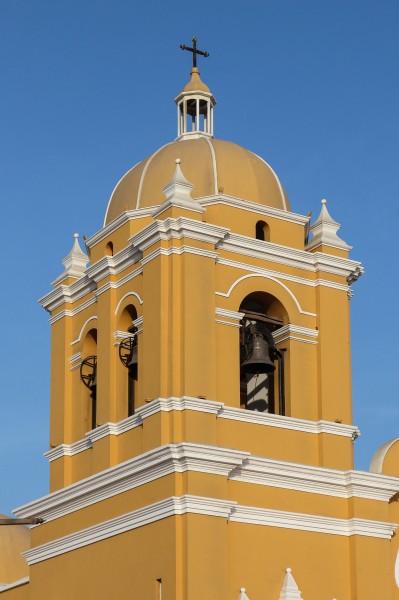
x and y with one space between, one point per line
194 495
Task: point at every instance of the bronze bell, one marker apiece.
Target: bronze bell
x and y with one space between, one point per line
258 360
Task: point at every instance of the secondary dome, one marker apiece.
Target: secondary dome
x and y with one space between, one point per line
14 539
212 166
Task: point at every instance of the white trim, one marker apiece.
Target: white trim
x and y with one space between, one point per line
111 196
292 332
144 171
9 586
114 285
178 250
237 281
179 228
235 465
293 257
214 165
135 294
205 406
72 313
227 510
284 276
313 523
256 207
229 314
81 331
221 322
280 187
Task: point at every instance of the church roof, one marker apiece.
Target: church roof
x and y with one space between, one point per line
213 166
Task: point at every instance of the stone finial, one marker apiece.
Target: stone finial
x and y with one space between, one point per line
290 590
324 231
242 595
75 263
178 193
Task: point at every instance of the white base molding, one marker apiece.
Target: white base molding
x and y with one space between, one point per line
230 511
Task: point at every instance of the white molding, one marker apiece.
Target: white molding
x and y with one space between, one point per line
9 586
235 465
229 314
143 469
315 480
179 228
205 406
75 361
72 313
255 207
280 275
314 523
280 187
135 294
178 250
225 509
272 278
229 323
377 462
175 505
82 329
293 257
294 332
114 285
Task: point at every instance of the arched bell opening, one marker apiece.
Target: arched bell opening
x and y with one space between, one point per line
88 376
128 355
109 249
262 231
262 382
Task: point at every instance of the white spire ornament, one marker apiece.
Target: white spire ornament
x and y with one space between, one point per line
325 231
242 595
75 263
178 193
290 590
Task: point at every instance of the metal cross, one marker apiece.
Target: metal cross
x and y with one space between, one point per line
194 51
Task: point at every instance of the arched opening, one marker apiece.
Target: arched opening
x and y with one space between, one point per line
88 375
128 354
262 231
262 386
109 249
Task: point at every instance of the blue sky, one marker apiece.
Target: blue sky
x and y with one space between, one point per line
87 91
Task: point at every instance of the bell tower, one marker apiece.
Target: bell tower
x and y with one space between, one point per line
201 394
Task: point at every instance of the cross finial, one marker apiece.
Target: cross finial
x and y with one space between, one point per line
194 51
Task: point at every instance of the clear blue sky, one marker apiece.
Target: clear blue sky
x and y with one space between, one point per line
87 91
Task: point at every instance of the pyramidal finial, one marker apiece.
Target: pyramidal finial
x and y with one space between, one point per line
324 231
178 193
290 590
242 595
75 262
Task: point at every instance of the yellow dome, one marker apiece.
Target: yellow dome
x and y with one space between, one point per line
213 166
14 539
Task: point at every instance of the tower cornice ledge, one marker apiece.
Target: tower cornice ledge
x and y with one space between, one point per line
179 228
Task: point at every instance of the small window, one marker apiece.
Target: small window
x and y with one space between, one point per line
262 231
109 249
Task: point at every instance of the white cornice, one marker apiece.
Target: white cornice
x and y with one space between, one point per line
205 406
280 275
225 509
300 259
255 207
165 460
177 228
180 250
235 465
125 217
72 313
295 332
